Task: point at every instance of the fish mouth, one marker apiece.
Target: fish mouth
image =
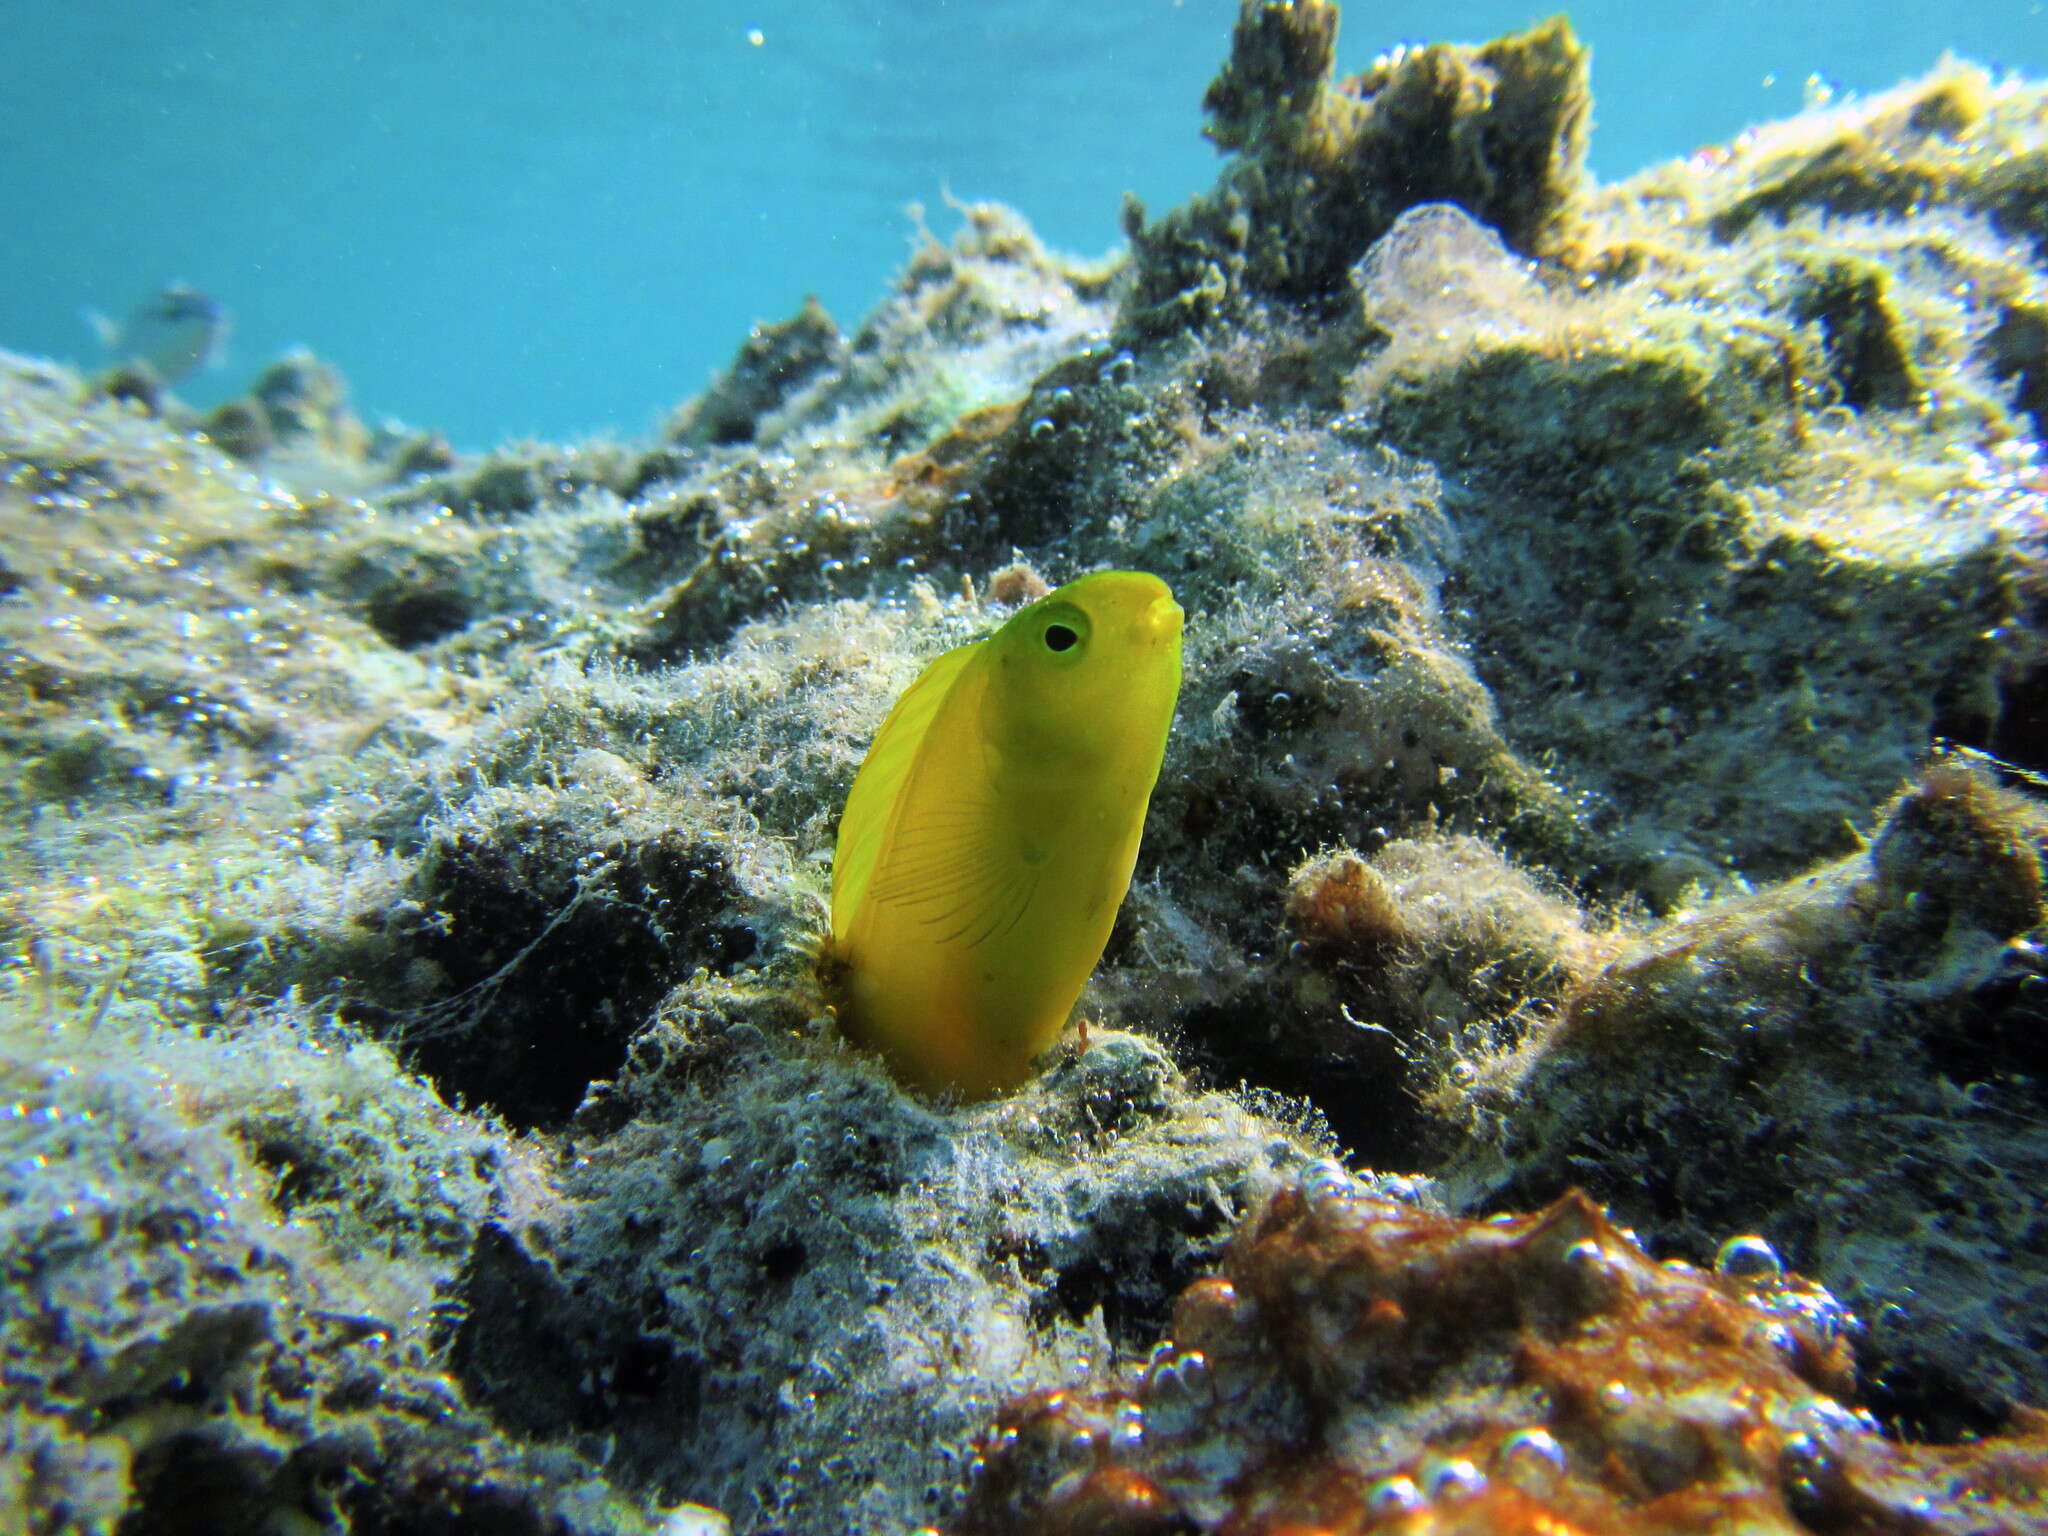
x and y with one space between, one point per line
1162 619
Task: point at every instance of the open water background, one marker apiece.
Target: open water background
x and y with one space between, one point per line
517 217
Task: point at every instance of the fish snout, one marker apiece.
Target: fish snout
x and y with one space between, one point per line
1159 622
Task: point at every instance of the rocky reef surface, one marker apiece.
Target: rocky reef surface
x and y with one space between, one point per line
1605 800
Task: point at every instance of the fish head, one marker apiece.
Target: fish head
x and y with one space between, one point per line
1087 674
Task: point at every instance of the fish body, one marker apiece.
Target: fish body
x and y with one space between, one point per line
990 835
177 331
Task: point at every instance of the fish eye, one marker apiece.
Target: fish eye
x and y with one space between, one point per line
1061 637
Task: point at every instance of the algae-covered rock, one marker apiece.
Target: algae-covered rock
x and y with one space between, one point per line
1324 167
221 1258
1940 144
1608 756
1374 1364
772 365
1846 1064
903 1267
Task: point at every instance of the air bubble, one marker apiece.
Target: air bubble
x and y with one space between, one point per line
1804 1466
1801 1455
1531 1459
1438 272
1183 1375
1127 1430
1748 1258
1393 1496
1325 1182
1178 1394
1456 1479
1834 1419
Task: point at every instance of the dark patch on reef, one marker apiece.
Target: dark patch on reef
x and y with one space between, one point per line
2018 349
1356 1084
411 597
2016 732
524 1347
1865 344
544 967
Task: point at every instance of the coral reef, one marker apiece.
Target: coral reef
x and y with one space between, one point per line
773 364
219 1262
1848 1064
1323 167
777 1284
1360 1365
1608 757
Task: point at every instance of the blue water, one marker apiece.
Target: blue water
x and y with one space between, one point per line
550 219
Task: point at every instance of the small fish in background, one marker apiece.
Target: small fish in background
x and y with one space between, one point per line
176 331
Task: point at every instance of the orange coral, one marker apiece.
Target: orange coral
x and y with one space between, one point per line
1363 1365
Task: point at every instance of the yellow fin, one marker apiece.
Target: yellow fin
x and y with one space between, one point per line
876 796
956 863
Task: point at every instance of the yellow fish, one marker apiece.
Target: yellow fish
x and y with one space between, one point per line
990 834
